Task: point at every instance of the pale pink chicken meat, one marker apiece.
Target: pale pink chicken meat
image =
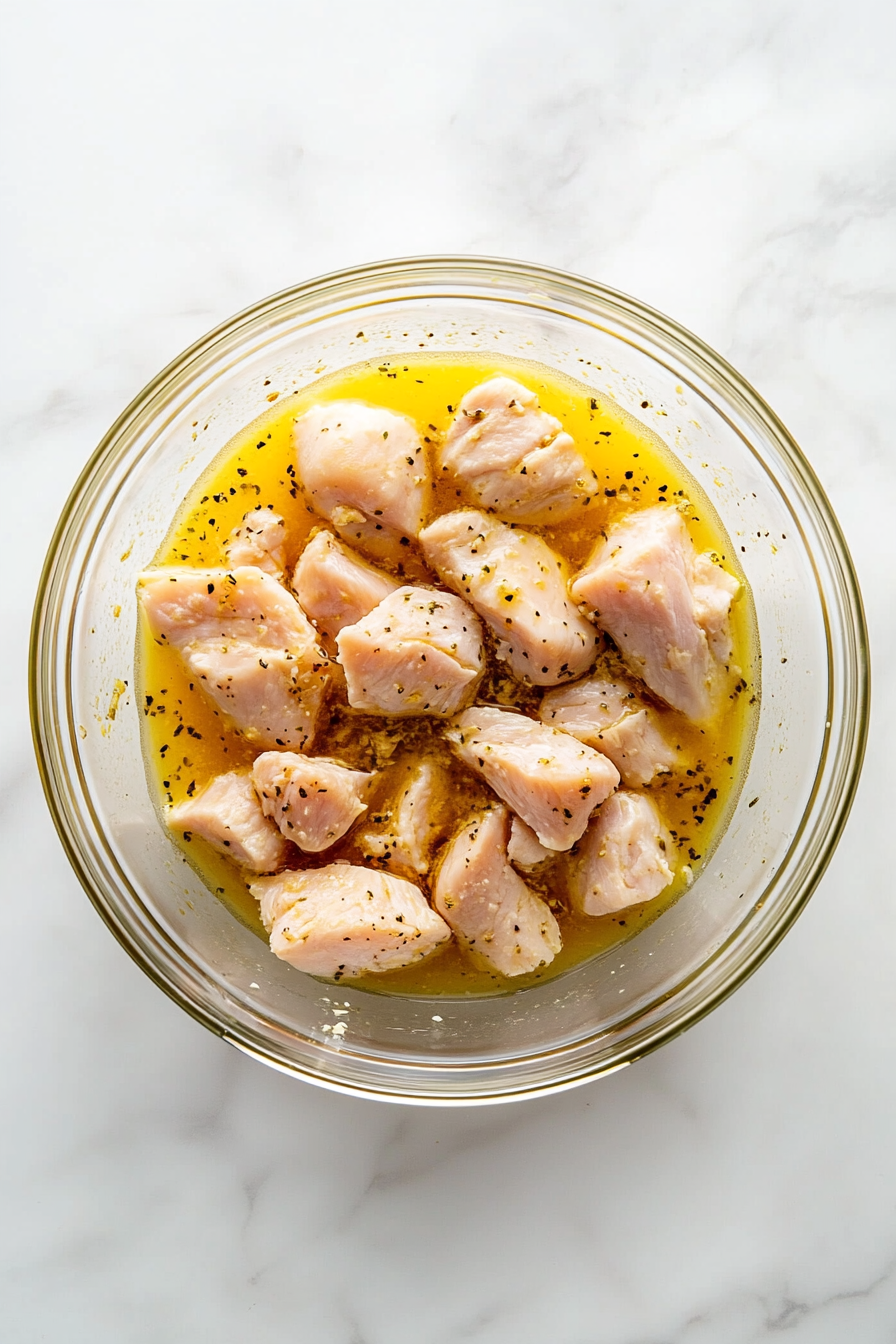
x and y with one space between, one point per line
488 905
335 587
641 587
517 459
714 590
227 814
552 781
412 824
342 921
524 847
314 800
418 651
623 859
259 540
247 642
365 469
518 585
610 716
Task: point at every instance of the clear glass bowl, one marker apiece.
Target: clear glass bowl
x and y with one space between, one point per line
806 756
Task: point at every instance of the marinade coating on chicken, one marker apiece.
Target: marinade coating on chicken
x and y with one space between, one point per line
549 779
610 716
419 651
413 823
314 800
516 458
227 814
342 920
488 905
365 469
247 642
335 587
518 585
641 587
259 540
524 847
623 858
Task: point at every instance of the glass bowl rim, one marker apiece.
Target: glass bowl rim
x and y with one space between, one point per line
469 269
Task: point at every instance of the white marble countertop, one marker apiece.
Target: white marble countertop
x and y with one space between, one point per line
165 165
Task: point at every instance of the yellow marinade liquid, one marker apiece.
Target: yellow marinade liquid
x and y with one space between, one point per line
187 742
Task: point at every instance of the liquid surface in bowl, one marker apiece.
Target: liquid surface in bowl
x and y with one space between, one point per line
187 743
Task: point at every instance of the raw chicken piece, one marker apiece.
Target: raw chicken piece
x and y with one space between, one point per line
259 540
312 799
418 652
639 584
365 469
549 779
341 921
516 457
247 642
488 905
335 587
228 815
623 858
518 585
714 590
524 847
614 719
414 822
637 748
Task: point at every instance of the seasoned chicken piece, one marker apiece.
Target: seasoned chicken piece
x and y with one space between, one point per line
365 469
637 748
342 921
335 587
488 905
312 799
414 823
524 847
518 585
228 815
248 644
714 590
611 717
639 585
518 459
549 779
260 541
623 859
418 652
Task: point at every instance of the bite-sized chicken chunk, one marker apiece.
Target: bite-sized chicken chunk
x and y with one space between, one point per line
714 590
335 587
488 905
342 921
611 717
228 815
518 459
524 847
413 823
418 652
365 469
312 799
623 859
549 779
640 586
247 642
518 585
260 540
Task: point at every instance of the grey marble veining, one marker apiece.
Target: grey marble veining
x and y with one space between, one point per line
165 165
